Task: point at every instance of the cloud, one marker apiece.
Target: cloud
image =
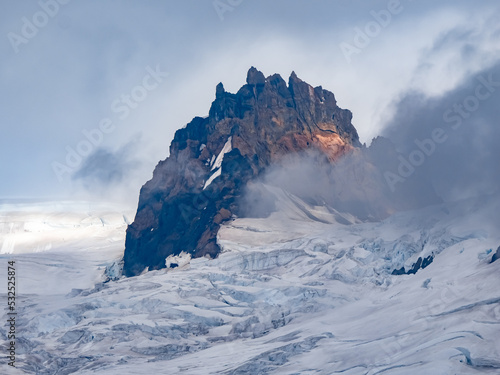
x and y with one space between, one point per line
107 173
465 163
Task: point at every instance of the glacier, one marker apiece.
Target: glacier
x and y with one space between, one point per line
305 291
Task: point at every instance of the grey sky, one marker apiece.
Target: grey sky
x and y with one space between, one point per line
66 77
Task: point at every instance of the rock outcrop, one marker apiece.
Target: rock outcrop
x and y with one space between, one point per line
496 255
419 264
199 186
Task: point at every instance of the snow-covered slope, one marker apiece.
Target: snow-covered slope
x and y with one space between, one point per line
296 293
61 245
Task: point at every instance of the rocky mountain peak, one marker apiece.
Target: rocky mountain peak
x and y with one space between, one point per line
293 78
255 77
219 91
200 185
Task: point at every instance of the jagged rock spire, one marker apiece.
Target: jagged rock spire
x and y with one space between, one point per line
255 77
219 91
182 207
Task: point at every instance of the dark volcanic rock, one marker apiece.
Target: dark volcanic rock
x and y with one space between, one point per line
496 255
419 264
212 159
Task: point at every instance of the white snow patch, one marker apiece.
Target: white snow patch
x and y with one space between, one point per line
212 177
181 260
227 148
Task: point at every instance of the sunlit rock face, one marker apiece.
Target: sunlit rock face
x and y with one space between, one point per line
212 160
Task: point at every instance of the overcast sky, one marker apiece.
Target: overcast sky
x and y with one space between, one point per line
65 67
